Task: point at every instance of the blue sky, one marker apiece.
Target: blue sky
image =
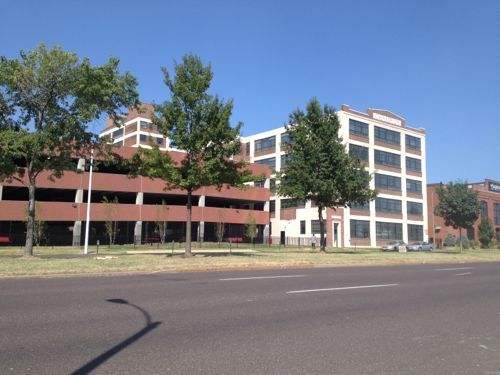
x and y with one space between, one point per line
435 63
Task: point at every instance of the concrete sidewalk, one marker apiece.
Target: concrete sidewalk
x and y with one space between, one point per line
193 251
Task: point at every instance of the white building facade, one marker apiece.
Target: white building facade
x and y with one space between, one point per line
393 153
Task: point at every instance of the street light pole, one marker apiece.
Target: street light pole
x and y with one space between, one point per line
89 193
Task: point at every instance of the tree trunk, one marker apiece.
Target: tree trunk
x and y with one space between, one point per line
460 234
321 230
28 249
188 224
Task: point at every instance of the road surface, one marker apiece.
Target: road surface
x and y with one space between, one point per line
423 319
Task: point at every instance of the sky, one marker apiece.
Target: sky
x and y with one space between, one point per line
435 63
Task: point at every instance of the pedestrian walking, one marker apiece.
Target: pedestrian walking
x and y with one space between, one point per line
313 241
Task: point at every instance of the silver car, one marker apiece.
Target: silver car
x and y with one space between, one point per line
393 246
420 246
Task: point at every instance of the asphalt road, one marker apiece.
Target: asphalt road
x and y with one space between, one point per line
424 319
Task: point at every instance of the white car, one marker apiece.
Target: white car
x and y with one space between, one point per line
393 246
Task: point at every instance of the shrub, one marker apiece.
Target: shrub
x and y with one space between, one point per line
486 233
450 240
465 243
475 244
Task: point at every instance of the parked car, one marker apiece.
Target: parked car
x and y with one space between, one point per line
420 246
393 246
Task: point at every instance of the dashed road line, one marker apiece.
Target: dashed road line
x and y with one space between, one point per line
454 269
341 288
261 277
463 274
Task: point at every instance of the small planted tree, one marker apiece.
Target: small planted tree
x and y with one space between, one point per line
111 213
485 233
251 229
161 221
197 123
48 97
458 206
220 226
39 227
319 169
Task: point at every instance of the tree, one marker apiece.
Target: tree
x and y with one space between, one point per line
220 226
485 232
110 224
39 227
251 228
197 123
47 100
458 206
161 220
319 169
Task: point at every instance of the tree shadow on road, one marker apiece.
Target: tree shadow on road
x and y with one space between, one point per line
100 359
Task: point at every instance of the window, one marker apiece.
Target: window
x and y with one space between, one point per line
272 206
414 208
387 136
159 141
271 162
471 233
118 143
413 186
484 210
413 164
247 149
496 213
387 158
259 183
143 137
389 231
412 142
392 206
383 181
144 125
315 228
302 227
358 128
284 160
359 152
117 133
285 139
265 143
360 229
151 127
292 203
363 207
415 232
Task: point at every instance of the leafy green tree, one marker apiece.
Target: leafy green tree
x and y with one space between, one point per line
161 221
251 229
485 232
319 168
458 206
48 97
197 123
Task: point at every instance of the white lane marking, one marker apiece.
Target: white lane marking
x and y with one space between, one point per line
454 269
342 288
261 277
463 274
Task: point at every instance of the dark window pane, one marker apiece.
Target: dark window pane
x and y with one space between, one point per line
265 143
388 205
269 161
414 208
415 232
387 136
383 181
413 164
389 231
358 128
360 229
413 186
413 142
387 158
359 152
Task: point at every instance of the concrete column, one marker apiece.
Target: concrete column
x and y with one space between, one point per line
201 225
265 234
81 164
77 233
139 199
1 192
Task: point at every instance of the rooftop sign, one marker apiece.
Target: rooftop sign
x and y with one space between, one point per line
390 120
493 186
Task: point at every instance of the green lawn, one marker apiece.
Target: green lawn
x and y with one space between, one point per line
67 261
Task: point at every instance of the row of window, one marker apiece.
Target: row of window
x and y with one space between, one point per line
381 157
144 138
393 206
387 182
384 135
386 231
269 142
496 212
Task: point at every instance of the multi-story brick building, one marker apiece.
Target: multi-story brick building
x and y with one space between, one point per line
62 203
489 197
394 154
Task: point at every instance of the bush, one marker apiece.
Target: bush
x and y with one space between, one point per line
450 240
494 244
465 243
475 244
